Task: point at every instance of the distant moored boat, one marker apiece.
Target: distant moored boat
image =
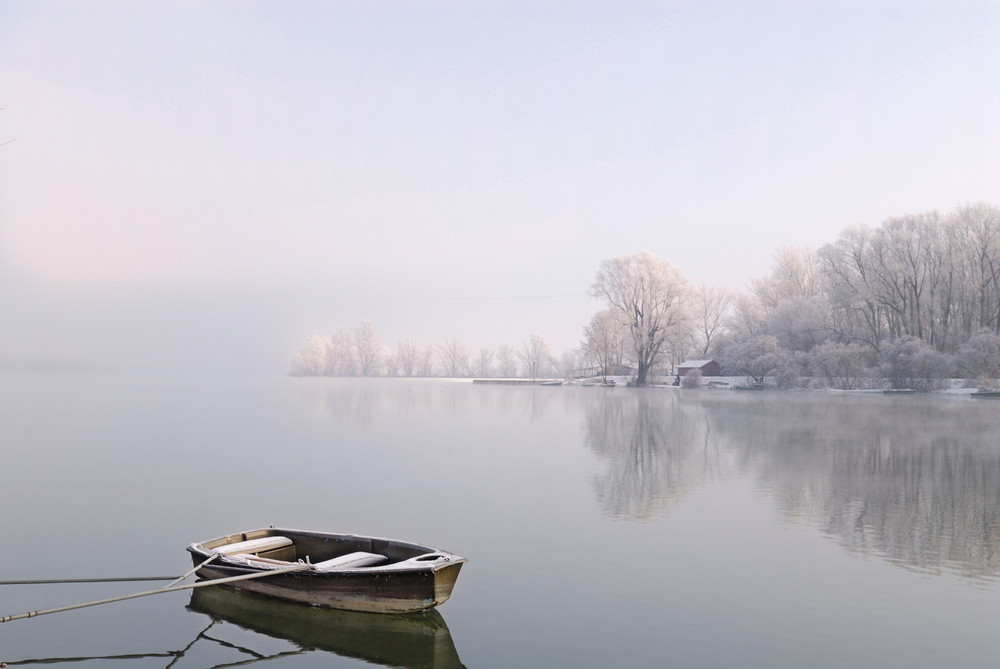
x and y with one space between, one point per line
986 394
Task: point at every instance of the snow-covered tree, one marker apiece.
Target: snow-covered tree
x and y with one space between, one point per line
843 366
979 357
406 357
604 341
711 310
851 287
368 349
483 366
535 357
569 362
507 361
311 360
756 357
425 361
910 362
454 358
652 298
799 323
795 274
976 229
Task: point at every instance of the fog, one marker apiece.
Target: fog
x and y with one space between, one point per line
247 331
202 187
102 331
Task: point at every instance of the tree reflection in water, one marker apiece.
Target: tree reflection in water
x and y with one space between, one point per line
915 480
655 451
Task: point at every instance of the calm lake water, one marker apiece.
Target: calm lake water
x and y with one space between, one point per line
604 527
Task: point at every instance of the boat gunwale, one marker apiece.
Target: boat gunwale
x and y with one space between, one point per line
408 565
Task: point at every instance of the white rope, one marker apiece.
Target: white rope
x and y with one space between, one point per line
199 584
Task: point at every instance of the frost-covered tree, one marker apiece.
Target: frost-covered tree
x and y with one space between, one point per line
604 341
756 357
483 366
902 279
569 362
390 364
425 361
454 357
653 299
368 349
711 310
842 366
901 257
406 357
789 302
507 361
535 357
746 317
795 274
979 357
910 362
311 360
976 229
341 357
851 286
799 323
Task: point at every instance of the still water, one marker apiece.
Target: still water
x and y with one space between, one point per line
604 527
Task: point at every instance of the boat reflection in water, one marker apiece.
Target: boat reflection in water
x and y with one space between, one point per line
419 640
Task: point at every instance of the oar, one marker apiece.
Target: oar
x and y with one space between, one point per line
199 584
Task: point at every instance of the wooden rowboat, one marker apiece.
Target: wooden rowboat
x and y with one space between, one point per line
339 571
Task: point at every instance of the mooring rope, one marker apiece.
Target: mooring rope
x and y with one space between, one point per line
181 578
121 579
200 584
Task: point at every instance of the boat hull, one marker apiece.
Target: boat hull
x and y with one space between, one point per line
403 586
412 641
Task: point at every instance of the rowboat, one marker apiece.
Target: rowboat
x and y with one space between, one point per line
339 571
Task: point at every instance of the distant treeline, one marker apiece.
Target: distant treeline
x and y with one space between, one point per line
914 300
359 352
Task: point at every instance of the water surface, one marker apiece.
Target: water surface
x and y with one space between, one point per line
604 527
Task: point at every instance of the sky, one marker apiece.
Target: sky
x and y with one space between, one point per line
203 185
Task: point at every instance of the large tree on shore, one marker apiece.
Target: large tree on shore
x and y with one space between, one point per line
652 298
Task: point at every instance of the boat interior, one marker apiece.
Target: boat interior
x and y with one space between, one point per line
274 548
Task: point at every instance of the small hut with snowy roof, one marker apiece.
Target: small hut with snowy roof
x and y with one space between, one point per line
707 367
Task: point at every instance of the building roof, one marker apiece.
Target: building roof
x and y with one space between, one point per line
695 363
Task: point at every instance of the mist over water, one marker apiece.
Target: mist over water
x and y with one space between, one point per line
657 527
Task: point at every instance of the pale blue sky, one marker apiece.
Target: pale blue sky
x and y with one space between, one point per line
252 172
